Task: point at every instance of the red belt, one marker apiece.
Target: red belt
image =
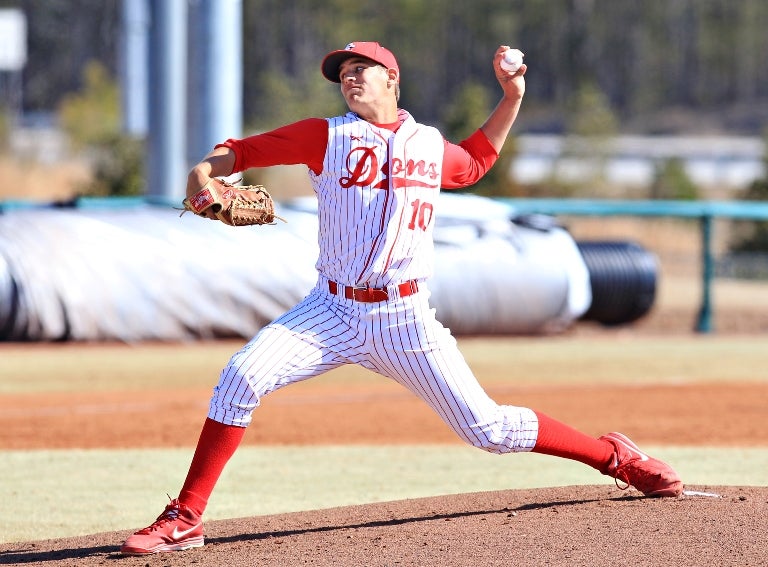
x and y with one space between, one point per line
372 294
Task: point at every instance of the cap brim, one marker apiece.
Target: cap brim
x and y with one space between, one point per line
332 63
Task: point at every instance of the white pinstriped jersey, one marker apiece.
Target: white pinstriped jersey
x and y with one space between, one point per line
375 197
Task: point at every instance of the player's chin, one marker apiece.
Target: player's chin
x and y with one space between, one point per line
356 104
353 98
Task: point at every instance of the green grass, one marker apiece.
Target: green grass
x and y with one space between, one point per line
51 494
523 360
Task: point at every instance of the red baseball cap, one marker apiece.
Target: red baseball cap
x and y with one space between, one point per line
369 49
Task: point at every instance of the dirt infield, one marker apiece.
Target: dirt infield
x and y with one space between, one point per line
682 414
584 525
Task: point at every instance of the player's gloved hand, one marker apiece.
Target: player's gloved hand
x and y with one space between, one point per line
232 205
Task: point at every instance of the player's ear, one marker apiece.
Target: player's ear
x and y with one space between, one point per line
393 77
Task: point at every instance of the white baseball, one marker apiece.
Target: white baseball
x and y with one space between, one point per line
511 60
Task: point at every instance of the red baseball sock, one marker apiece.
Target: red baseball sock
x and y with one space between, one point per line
556 438
215 447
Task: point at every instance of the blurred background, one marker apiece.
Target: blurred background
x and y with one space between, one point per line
664 100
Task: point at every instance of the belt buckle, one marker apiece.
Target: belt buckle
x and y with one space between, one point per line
368 294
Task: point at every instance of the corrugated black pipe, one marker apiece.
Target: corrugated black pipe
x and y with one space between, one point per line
623 277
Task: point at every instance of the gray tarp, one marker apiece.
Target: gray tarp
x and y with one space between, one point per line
144 273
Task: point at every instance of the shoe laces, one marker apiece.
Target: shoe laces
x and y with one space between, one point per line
625 469
618 472
170 514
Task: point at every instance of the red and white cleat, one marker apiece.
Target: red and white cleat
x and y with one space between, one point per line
630 465
176 529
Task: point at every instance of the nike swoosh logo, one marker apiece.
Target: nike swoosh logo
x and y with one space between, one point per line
643 456
178 534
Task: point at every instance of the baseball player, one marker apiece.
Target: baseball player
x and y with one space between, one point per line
377 174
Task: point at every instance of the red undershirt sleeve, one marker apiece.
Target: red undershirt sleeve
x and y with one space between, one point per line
465 163
302 142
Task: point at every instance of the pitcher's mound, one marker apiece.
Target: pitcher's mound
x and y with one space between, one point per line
578 525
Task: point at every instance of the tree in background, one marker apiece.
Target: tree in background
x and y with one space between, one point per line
461 118
90 115
62 39
591 124
753 236
91 120
655 67
652 60
292 98
673 182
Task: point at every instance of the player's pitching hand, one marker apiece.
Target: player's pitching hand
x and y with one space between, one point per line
512 82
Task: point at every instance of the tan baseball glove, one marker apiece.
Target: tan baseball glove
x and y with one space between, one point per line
232 205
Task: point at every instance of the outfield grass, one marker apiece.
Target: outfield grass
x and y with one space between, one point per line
551 360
